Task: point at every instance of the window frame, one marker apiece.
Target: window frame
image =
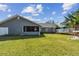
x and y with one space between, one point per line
25 29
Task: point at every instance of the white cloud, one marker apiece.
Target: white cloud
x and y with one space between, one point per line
51 18
37 20
34 10
39 8
53 13
33 19
9 15
28 9
9 10
3 7
66 7
34 14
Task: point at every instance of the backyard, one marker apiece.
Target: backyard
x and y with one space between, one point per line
44 45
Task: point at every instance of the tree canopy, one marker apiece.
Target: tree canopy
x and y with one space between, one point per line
71 19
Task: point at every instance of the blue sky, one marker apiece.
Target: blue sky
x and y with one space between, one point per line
40 12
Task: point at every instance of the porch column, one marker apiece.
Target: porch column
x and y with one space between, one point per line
39 30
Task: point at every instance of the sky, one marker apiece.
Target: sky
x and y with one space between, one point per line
38 12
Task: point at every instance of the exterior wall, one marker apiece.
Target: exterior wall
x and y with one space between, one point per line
48 30
3 31
15 26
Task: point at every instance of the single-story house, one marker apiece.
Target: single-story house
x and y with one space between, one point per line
19 25
48 27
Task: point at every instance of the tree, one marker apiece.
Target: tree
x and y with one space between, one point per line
76 15
72 19
50 22
69 21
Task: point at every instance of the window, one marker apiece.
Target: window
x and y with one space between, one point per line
30 28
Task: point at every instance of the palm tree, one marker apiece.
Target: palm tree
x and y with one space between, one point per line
72 19
76 16
70 22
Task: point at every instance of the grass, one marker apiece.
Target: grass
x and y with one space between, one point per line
44 45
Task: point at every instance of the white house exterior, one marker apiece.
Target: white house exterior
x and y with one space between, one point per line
18 25
48 28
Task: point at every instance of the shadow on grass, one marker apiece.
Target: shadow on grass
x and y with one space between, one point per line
64 33
18 37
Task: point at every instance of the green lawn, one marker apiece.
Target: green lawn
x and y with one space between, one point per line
44 45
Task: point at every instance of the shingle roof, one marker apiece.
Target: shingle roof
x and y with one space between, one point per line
40 24
48 25
10 18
